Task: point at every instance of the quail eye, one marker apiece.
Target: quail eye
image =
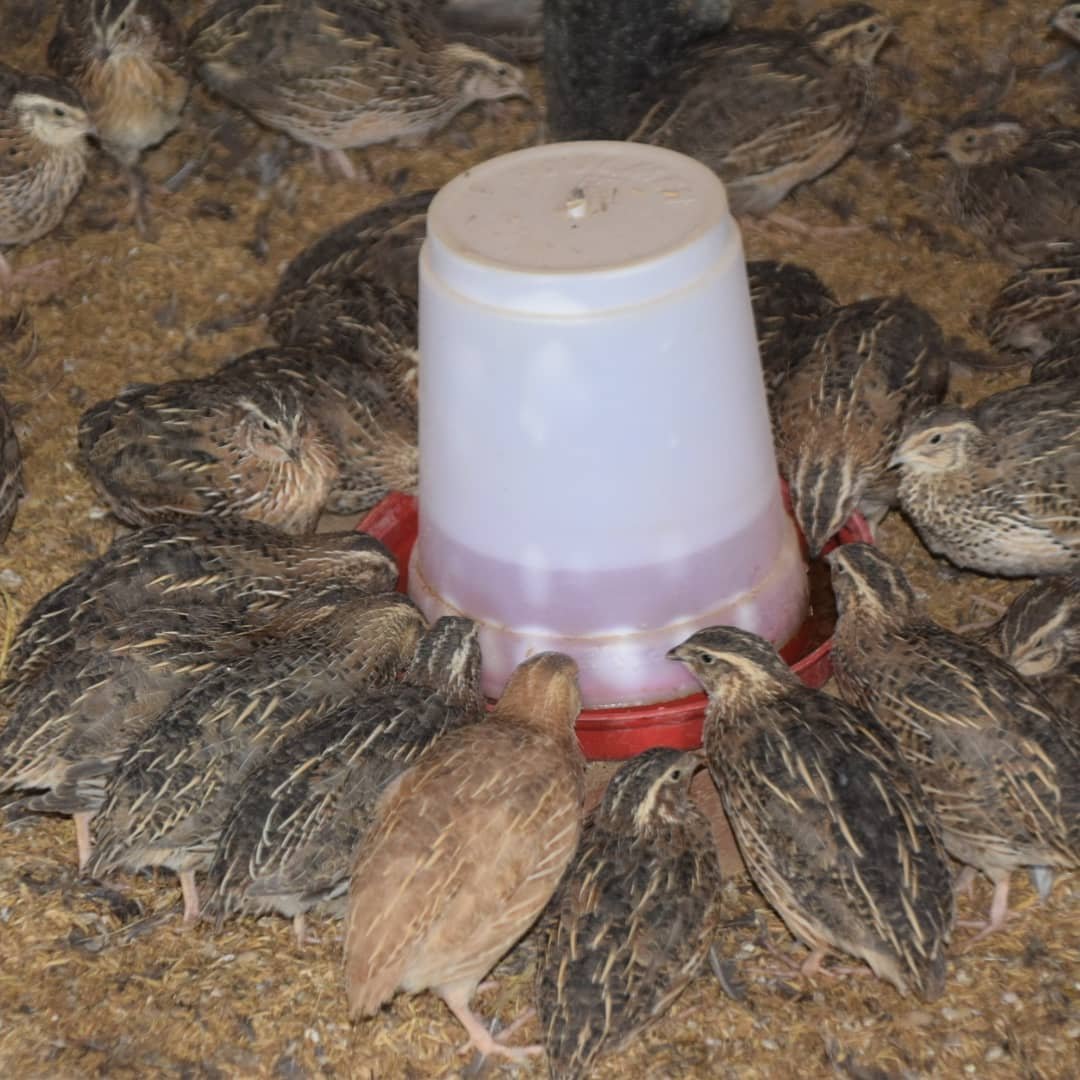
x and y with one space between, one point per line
934 439
706 658
676 774
58 112
872 29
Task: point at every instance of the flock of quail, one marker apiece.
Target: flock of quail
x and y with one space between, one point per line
251 704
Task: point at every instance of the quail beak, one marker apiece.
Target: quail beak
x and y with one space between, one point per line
675 654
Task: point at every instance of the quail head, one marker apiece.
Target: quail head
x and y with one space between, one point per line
467 848
290 839
1001 765
835 830
127 59
213 447
11 475
634 917
43 151
771 109
876 364
336 74
996 488
1067 20
168 798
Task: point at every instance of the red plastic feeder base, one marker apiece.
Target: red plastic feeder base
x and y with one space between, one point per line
619 733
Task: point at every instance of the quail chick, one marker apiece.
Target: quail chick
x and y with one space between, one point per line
878 363
791 309
1002 767
363 400
336 74
43 150
771 109
127 60
213 447
996 488
168 799
11 476
290 838
634 917
835 830
1014 189
467 848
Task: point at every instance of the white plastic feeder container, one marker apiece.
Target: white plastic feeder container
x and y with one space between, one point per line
597 472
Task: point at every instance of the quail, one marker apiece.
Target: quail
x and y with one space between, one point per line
127 60
771 109
467 848
12 488
212 447
43 151
167 800
996 488
634 917
336 74
289 840
835 830
1014 189
877 363
1067 20
1002 767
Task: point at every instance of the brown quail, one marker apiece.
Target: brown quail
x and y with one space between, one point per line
336 74
877 363
834 828
771 109
127 59
1002 767
167 800
996 488
12 488
213 447
290 839
467 848
634 917
43 151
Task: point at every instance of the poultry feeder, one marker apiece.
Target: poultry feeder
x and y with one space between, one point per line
597 472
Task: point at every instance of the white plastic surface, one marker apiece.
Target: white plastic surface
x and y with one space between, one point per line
597 471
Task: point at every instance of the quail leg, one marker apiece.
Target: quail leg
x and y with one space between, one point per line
457 1000
82 838
999 912
191 897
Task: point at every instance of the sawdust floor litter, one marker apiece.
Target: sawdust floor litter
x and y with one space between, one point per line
99 978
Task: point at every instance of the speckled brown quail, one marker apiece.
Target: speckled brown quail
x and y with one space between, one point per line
771 109
127 60
634 917
43 151
213 447
167 800
878 363
364 400
996 488
336 74
835 830
290 839
12 487
1002 767
1013 188
467 848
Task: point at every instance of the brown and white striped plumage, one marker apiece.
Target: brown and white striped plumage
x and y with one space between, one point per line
634 917
12 488
1002 767
834 828
467 848
838 415
996 488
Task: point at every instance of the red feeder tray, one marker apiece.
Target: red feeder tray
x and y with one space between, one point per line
623 732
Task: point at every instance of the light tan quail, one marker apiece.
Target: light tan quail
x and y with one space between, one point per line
771 109
834 828
634 917
43 152
290 839
996 488
167 800
12 487
837 416
127 60
336 74
213 447
1002 767
467 848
